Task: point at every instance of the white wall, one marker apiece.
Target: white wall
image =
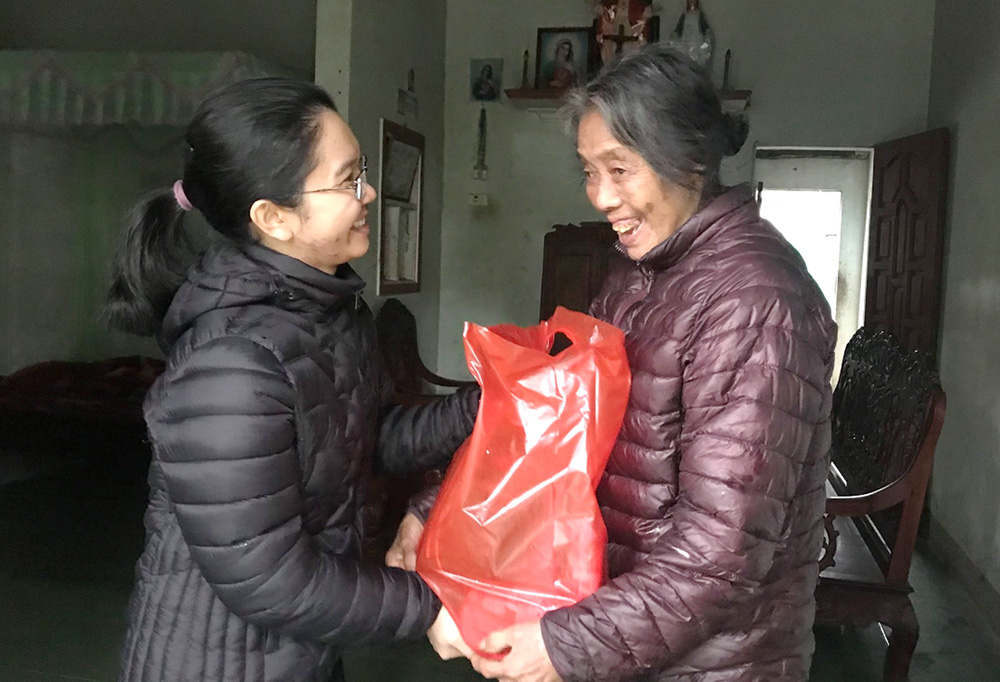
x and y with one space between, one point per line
965 96
387 38
848 73
281 32
491 258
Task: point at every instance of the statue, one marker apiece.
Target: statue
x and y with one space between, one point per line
693 36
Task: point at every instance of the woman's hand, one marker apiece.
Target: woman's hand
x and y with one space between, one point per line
403 552
445 638
526 661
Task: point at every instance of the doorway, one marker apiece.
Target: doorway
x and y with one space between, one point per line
819 199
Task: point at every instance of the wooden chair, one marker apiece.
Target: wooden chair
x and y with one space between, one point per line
397 339
888 410
388 495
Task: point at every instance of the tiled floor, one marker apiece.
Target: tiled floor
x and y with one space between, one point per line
68 540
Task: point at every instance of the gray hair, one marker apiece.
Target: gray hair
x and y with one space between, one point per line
663 106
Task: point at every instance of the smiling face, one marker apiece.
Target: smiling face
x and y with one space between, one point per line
329 227
334 225
642 208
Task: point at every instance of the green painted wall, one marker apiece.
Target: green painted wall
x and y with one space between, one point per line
65 193
282 32
363 65
965 97
847 73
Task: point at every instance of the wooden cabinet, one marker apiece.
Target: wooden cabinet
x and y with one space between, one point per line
574 265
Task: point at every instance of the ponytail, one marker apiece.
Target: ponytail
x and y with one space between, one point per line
149 264
252 139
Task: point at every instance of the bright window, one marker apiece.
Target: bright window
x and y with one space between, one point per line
811 221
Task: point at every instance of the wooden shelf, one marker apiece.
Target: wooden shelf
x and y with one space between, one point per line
535 99
735 101
541 100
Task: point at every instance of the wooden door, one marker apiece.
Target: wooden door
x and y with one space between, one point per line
906 238
574 266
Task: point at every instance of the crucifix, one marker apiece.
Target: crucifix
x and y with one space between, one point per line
480 169
621 25
619 39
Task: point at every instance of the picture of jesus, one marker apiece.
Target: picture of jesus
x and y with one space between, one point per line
561 71
564 57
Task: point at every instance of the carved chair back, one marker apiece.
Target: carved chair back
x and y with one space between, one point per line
397 339
887 412
415 383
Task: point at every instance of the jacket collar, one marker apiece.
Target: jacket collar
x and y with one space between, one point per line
293 276
702 226
230 276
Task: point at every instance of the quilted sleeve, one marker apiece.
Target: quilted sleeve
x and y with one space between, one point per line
223 425
425 437
755 397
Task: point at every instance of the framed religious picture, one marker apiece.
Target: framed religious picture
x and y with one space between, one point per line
400 212
485 79
565 57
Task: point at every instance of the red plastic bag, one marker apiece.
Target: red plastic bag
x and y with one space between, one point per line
516 530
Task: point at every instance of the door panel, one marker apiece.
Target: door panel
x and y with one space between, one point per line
574 266
906 247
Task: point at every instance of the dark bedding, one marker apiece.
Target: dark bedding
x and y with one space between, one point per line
108 389
86 407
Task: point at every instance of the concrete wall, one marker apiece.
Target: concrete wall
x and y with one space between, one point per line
965 96
386 39
849 73
281 32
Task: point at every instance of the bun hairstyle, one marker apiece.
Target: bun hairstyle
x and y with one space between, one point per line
254 139
664 106
737 130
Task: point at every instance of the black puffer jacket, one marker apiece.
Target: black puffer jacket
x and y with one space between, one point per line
265 426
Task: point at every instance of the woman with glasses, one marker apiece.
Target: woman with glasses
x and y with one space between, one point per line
273 407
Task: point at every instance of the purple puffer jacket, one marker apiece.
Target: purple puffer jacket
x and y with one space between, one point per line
714 492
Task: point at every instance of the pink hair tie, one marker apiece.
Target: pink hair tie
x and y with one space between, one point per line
181 198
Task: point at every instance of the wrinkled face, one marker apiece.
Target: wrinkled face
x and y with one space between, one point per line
331 227
642 208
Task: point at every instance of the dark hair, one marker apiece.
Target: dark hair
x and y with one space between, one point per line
253 139
664 106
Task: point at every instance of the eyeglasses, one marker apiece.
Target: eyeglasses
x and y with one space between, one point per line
358 185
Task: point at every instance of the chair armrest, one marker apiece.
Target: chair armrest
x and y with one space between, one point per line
408 399
439 380
876 500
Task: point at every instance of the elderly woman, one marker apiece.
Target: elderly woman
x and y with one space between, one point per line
714 492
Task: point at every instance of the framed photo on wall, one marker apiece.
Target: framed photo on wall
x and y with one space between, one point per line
400 213
485 79
565 57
